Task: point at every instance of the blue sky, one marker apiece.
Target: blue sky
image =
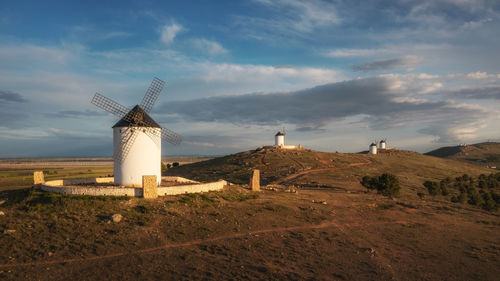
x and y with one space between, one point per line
336 74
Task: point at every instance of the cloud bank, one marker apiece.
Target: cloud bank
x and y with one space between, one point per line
404 62
7 96
380 101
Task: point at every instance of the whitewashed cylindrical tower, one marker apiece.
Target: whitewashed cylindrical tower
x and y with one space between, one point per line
373 148
279 139
137 151
382 144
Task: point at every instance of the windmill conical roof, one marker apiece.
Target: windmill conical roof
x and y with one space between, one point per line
144 119
279 134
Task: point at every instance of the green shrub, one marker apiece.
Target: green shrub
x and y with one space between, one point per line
489 203
443 185
462 198
474 197
386 184
369 182
432 188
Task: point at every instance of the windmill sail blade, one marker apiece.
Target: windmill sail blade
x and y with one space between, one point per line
152 94
109 105
153 134
170 136
127 142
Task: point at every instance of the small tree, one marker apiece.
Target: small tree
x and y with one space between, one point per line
175 164
462 198
369 182
489 204
443 185
432 187
475 198
388 185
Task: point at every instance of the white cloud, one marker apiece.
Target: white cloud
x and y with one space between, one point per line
307 15
414 84
288 19
169 32
70 134
348 53
398 50
24 56
209 46
116 34
477 75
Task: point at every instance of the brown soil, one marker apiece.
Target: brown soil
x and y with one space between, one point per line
238 235
313 171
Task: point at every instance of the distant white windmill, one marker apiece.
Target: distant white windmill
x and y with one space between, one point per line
382 144
137 137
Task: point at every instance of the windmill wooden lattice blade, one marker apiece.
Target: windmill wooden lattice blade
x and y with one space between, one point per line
109 105
128 141
152 94
170 136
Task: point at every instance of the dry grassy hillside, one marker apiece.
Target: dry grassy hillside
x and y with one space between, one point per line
485 154
322 169
316 233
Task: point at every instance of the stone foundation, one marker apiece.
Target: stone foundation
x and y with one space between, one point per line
69 186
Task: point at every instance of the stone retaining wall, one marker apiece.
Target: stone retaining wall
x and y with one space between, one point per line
67 186
193 188
178 179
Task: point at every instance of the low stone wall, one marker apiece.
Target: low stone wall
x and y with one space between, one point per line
193 188
94 191
178 179
67 186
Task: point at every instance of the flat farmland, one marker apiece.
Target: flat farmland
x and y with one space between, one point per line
18 173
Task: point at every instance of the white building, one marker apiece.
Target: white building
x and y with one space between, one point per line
373 148
382 144
279 139
139 147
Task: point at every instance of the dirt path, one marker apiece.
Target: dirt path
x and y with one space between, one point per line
262 163
323 161
306 172
324 224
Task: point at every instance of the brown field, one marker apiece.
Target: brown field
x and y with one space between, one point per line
329 229
18 173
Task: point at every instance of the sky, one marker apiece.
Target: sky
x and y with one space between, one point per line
336 75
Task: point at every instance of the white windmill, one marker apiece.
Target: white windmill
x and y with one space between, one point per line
382 144
373 148
279 138
137 137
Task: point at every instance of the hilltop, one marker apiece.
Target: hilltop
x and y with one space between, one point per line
309 168
485 154
330 229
